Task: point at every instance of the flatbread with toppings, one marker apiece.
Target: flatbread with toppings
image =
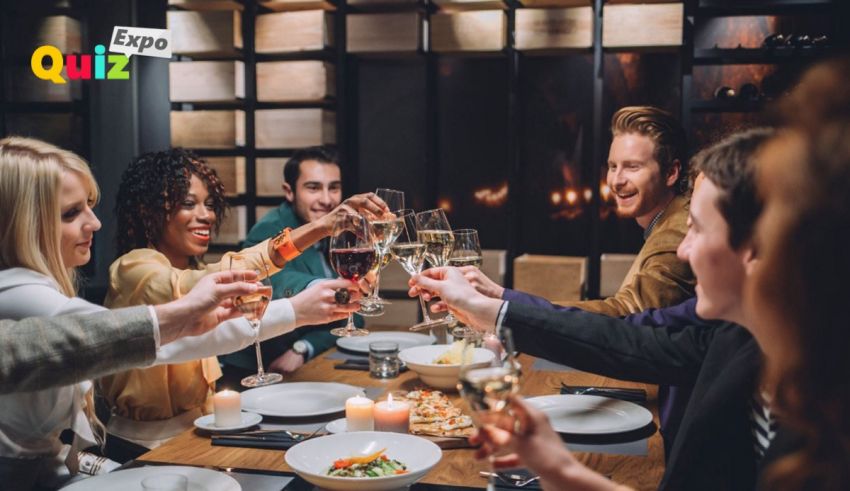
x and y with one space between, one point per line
434 414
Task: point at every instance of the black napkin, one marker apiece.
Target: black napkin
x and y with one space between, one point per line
525 473
276 441
623 394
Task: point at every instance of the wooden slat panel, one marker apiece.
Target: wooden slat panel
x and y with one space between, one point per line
206 81
384 33
270 176
289 5
207 4
287 32
234 228
28 33
231 171
60 129
554 28
632 26
295 81
556 3
208 129
462 5
612 271
370 4
294 128
23 86
555 278
205 33
468 31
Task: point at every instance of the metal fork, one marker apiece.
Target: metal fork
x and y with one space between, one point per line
515 480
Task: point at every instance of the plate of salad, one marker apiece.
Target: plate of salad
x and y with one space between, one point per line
363 460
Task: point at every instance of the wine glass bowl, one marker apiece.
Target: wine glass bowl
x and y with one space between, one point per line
352 255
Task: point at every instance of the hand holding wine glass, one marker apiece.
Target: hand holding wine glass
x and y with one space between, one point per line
253 306
352 255
385 230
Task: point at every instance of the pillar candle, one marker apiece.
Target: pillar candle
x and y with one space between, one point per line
392 416
227 405
358 414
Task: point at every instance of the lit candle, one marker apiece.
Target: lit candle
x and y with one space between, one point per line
227 405
358 414
392 416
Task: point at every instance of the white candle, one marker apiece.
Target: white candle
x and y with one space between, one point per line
358 414
392 416
227 405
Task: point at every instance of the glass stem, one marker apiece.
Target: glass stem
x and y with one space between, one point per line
261 372
424 308
350 325
377 282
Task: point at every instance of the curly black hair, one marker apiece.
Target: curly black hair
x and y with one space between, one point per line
152 187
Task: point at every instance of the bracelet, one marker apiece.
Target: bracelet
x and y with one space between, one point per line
284 246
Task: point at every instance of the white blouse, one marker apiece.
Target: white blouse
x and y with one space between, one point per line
30 422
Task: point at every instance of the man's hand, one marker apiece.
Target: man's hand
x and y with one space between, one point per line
317 304
481 282
366 204
207 305
287 362
457 295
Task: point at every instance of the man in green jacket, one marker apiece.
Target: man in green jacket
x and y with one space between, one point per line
312 187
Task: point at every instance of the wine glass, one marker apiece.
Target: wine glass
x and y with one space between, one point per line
487 389
409 251
466 252
253 306
385 230
433 230
352 256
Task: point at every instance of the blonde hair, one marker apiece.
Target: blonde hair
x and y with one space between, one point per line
30 214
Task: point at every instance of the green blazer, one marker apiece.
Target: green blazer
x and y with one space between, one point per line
294 277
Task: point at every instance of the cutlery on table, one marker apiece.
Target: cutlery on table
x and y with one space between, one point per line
624 394
516 480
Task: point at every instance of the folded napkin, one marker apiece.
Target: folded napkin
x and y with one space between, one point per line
623 394
268 439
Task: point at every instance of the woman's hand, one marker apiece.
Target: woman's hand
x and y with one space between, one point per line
481 282
457 295
366 204
317 304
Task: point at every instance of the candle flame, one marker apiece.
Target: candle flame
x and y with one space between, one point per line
390 399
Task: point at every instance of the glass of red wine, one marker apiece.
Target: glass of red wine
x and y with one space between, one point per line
253 306
352 256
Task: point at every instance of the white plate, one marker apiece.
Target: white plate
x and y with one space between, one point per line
131 479
421 360
207 422
299 399
591 415
312 459
360 344
337 426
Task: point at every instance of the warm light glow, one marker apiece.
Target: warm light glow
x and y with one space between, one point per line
556 197
588 195
390 399
492 197
445 204
571 196
605 191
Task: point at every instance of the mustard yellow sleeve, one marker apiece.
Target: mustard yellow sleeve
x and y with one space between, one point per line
145 276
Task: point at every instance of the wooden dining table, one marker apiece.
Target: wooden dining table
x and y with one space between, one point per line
458 466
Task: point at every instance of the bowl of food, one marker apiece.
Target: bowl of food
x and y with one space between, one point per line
438 365
363 460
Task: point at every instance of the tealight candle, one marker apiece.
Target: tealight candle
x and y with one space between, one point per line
358 414
392 416
227 405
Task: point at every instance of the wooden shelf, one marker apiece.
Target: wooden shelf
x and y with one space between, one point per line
384 32
475 31
206 81
287 32
546 29
753 56
766 7
643 26
206 4
291 5
205 34
307 81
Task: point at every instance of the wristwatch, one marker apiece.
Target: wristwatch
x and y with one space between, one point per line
300 348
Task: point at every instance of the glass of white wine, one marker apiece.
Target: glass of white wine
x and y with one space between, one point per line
487 389
433 230
253 306
466 252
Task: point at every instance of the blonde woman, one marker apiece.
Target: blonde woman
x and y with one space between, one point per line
47 224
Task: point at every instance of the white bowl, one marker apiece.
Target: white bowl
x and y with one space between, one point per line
312 459
421 360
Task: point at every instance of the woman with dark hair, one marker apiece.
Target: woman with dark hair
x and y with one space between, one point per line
169 206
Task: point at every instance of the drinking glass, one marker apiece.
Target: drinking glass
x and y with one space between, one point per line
253 306
466 252
409 251
433 230
352 256
385 231
383 359
487 389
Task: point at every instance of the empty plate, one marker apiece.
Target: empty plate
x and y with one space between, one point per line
591 415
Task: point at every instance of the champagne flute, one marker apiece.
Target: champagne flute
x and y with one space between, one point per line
410 253
487 389
253 306
385 231
433 230
466 252
352 256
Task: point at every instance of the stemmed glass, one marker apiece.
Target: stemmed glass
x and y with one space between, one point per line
433 230
410 253
385 231
466 252
253 306
352 256
487 389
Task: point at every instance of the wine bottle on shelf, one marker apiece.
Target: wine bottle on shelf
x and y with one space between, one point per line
749 92
820 41
798 41
774 41
724 93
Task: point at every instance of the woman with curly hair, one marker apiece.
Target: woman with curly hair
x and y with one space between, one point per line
169 205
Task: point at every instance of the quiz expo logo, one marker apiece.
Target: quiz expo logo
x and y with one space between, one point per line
126 41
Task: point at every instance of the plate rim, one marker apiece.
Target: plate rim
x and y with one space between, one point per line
366 351
233 484
641 412
277 414
258 418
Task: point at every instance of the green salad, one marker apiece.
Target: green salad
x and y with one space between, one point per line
375 465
